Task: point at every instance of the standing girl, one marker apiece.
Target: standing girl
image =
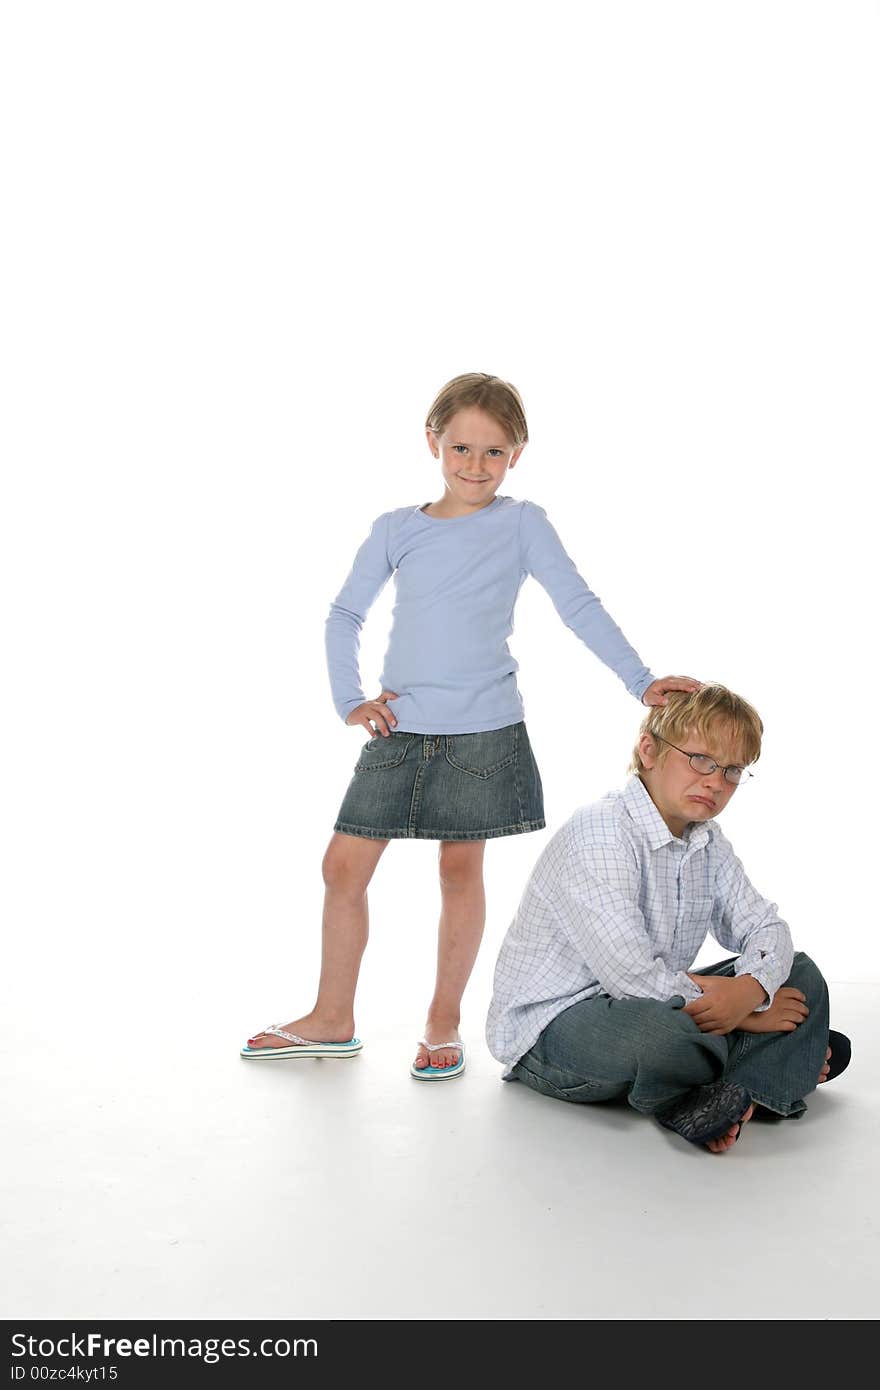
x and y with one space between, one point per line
450 759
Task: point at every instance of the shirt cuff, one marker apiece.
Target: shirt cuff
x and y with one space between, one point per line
641 686
766 985
345 709
685 985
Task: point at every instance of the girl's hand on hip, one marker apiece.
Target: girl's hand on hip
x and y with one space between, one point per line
375 712
657 690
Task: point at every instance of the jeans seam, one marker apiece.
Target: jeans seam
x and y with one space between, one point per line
406 833
769 1103
483 774
543 1080
361 768
517 774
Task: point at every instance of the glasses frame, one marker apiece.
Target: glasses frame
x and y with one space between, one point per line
744 773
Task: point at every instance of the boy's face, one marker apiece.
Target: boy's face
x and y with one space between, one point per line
475 454
680 794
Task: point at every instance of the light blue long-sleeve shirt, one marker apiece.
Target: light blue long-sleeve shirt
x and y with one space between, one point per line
457 584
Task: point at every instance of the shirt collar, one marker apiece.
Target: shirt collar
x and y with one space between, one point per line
649 820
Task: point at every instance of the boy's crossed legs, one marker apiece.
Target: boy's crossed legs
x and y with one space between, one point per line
652 1053
348 867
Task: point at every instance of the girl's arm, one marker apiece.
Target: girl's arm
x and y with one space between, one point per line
577 605
369 574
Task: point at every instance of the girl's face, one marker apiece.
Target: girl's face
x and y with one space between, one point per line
475 453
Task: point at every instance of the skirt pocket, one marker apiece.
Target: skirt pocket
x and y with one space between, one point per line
482 755
382 752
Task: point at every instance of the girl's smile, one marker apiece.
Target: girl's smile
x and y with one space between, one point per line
475 453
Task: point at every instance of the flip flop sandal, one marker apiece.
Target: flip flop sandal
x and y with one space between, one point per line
301 1047
706 1112
430 1073
841 1052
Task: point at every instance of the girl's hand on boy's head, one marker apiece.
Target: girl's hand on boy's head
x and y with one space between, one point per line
375 712
657 690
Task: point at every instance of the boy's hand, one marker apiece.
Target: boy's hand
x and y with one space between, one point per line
375 712
656 692
725 1001
789 1008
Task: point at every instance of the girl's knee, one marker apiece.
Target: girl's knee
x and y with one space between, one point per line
336 870
461 863
348 867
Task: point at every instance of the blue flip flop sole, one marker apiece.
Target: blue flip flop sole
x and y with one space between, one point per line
346 1049
436 1073
439 1073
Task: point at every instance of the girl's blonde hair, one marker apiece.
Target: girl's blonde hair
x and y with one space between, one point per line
498 398
710 713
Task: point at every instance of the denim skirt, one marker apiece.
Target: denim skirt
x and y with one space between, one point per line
444 787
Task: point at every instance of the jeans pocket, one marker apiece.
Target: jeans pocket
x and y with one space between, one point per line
383 751
586 1091
564 1085
482 755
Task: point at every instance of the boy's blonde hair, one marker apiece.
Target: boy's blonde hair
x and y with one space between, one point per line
708 713
498 398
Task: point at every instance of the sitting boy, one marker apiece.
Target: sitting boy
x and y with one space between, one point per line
594 997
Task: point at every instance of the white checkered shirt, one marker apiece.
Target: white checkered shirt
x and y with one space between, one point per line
617 905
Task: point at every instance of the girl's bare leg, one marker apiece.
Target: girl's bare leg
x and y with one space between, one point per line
462 918
348 867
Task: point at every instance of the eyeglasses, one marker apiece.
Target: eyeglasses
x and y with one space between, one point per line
701 762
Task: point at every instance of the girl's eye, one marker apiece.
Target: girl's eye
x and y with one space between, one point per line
459 448
495 453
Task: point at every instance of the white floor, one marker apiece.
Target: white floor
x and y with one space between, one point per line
156 1181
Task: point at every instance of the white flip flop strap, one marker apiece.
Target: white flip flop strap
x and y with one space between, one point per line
458 1045
289 1037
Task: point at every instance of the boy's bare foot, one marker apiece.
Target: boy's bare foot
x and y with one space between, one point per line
315 1027
727 1141
837 1056
787 1012
438 1030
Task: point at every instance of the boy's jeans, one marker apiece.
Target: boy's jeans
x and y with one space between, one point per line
652 1052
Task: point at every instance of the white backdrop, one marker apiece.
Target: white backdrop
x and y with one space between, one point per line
245 244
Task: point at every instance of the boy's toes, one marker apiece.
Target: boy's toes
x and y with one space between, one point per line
722 1143
727 1140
